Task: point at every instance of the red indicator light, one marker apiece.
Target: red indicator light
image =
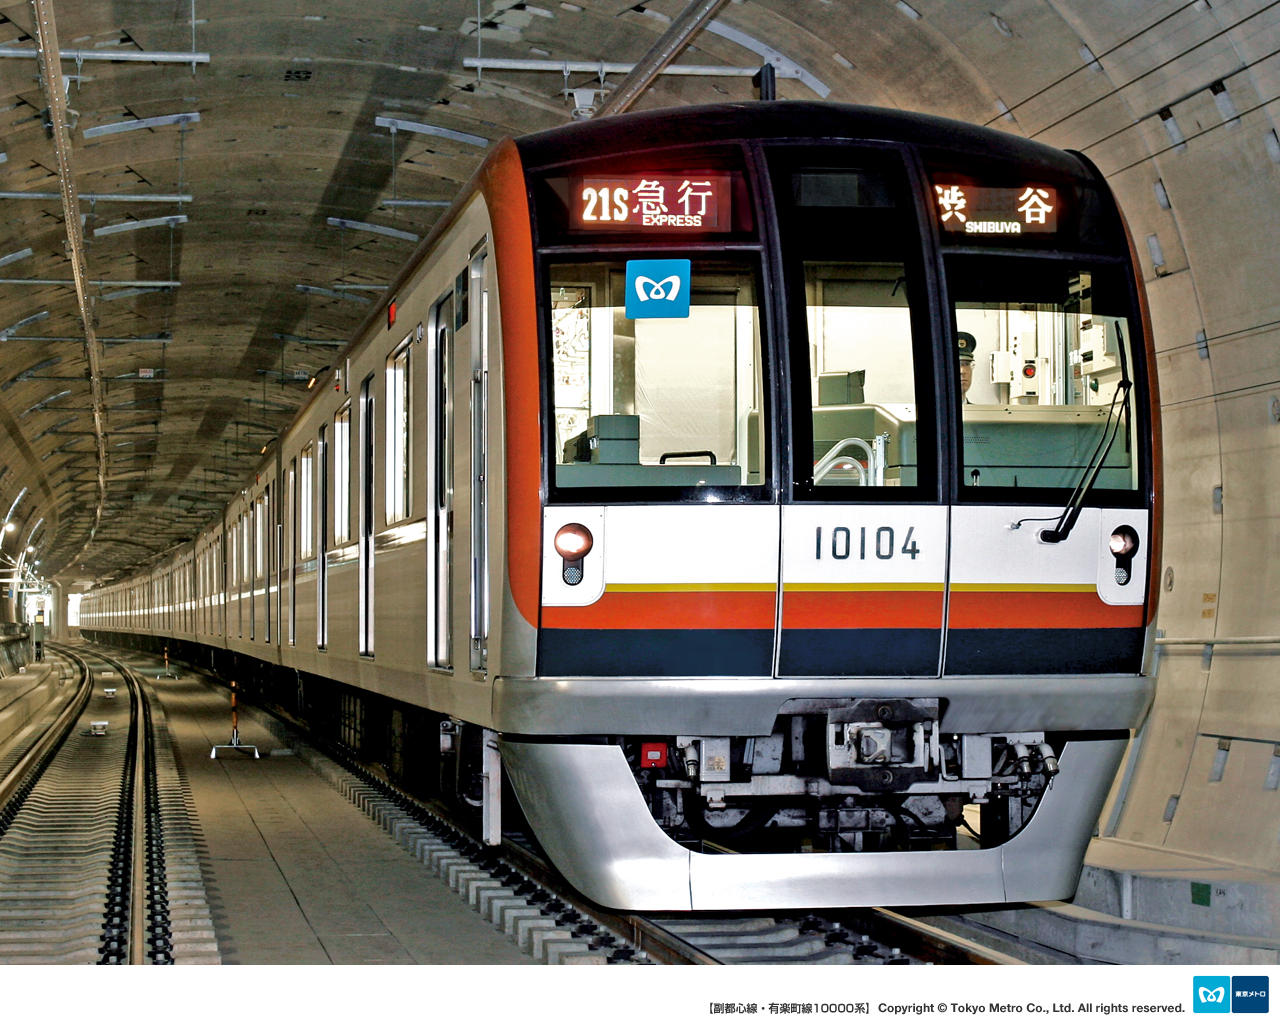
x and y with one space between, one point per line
391 312
1029 370
653 755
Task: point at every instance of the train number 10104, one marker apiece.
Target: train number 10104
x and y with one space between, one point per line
880 542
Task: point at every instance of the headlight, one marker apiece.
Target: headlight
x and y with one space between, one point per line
573 542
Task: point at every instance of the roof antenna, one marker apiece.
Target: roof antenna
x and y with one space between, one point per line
765 81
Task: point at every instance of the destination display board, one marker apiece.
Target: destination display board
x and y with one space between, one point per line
662 202
979 210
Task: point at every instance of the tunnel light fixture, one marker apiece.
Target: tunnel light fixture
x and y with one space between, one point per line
69 282
1156 250
136 56
298 340
397 124
417 202
1226 105
129 293
138 225
9 331
908 10
331 293
1090 59
377 229
142 122
44 402
163 339
13 257
1172 128
108 197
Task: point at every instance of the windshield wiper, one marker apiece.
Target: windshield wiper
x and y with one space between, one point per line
1067 521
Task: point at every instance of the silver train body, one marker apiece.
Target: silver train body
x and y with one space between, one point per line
769 493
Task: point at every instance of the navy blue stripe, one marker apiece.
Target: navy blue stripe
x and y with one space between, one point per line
655 652
1043 651
859 652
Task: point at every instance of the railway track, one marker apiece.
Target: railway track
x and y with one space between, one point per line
97 863
517 892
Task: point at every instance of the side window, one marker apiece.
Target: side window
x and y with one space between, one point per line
366 513
342 475
861 348
291 489
322 538
306 502
397 452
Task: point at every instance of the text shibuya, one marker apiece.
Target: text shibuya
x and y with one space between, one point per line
992 227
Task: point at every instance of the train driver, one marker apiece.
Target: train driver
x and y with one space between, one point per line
967 345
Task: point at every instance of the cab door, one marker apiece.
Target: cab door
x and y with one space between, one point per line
864 535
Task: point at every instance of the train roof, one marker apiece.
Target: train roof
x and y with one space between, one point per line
729 122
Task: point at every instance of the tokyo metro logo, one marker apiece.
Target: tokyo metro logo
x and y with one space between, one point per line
1212 994
1238 994
658 288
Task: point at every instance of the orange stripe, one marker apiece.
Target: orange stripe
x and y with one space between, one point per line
502 181
862 609
1038 610
718 609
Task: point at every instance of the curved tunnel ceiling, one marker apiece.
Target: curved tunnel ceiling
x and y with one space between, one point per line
228 276
249 136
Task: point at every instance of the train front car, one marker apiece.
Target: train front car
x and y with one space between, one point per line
848 513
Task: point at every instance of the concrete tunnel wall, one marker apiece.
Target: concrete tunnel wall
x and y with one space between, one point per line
1180 118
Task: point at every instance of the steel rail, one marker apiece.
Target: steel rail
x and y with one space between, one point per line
138 888
53 736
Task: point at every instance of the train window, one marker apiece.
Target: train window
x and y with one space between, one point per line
306 546
670 399
366 547
862 387
1045 359
858 314
322 539
397 451
291 489
342 475
259 537
440 485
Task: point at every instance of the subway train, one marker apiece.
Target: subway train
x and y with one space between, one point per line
765 497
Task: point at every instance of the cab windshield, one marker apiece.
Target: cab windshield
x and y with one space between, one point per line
656 378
